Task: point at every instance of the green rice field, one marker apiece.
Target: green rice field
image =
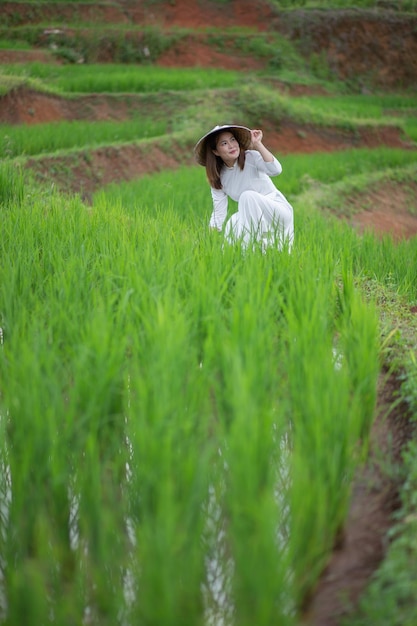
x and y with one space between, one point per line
171 452
182 419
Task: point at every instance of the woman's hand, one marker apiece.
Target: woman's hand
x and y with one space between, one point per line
256 138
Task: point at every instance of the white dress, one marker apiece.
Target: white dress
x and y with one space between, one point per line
264 214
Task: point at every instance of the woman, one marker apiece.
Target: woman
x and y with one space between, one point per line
239 166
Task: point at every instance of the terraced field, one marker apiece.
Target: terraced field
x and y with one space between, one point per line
96 97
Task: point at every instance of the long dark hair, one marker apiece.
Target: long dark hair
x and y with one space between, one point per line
215 164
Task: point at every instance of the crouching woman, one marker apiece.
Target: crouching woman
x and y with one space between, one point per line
239 166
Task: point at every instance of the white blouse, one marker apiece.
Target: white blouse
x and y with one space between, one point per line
255 176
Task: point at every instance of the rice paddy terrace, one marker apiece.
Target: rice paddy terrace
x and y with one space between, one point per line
368 51
367 47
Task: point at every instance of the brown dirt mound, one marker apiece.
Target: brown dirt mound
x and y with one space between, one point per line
26 106
391 208
59 13
192 52
196 14
372 46
25 56
291 137
186 13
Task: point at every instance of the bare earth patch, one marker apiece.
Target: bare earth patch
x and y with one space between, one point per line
390 208
25 56
26 106
192 52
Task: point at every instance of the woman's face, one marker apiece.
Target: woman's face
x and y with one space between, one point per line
227 148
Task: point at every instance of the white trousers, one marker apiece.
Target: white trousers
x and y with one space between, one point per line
264 220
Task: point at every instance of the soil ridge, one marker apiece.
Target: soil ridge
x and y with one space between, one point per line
375 498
